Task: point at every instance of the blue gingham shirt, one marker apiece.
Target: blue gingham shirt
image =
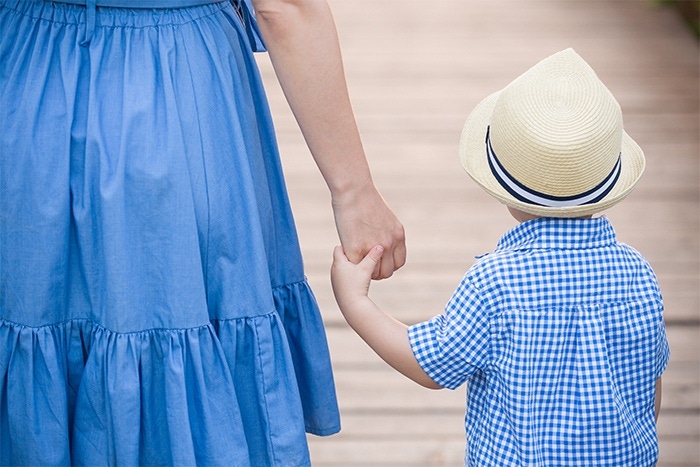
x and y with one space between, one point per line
559 335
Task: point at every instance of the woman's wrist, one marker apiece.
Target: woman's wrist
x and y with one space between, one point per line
351 192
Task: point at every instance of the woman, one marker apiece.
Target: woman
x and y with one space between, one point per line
153 305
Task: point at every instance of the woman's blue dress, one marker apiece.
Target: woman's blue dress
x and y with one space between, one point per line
153 304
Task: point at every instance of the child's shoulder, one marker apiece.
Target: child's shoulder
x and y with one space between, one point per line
489 267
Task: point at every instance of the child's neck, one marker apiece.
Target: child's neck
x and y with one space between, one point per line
522 216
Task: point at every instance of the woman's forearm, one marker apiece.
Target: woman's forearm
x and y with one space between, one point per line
302 42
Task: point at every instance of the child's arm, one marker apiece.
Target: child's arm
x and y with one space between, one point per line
384 334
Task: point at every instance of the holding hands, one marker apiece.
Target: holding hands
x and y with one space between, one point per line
364 220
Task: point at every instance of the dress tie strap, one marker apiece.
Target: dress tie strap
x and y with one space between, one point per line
247 13
90 14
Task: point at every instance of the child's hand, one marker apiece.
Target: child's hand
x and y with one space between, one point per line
351 281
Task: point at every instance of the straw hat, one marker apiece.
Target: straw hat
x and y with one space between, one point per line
551 143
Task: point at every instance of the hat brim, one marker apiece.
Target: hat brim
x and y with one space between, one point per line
472 152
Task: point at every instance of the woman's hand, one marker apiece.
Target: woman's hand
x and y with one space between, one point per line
363 220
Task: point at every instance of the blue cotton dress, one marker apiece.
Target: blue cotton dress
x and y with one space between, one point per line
153 304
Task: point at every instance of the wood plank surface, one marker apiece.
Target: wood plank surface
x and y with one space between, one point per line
415 70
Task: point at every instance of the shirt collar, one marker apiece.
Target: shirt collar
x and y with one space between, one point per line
559 233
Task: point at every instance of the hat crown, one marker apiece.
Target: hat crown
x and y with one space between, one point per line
557 129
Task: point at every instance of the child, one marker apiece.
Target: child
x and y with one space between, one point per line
558 332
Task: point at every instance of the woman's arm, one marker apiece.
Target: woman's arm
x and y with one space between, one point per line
384 334
302 41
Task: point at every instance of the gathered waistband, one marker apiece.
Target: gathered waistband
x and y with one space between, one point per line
138 3
244 8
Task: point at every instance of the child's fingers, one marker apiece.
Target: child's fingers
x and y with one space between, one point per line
370 262
372 259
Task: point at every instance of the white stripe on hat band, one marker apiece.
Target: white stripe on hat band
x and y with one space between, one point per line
531 196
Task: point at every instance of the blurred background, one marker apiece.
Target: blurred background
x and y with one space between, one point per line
415 70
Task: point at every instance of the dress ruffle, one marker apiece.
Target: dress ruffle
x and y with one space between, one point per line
186 392
309 349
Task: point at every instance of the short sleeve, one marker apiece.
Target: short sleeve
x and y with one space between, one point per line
453 346
663 351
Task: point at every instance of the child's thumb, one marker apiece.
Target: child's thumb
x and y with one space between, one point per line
338 253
